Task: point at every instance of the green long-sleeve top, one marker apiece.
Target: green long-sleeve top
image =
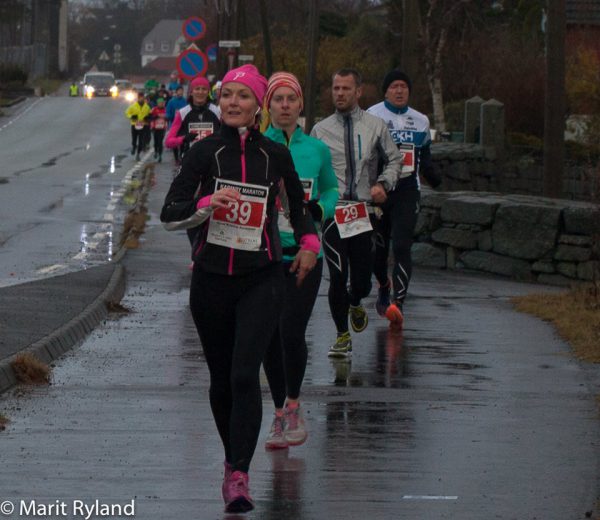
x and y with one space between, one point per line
312 161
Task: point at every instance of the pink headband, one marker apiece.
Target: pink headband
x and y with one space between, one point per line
283 79
248 75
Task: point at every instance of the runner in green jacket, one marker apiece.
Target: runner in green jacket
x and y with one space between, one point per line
285 360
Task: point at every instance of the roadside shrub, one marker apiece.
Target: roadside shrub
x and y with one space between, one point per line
12 73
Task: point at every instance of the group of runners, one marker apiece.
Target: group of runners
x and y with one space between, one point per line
165 111
266 203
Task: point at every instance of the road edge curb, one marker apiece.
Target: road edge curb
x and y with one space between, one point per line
67 336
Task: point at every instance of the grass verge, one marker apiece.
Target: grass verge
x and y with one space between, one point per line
30 370
49 86
575 314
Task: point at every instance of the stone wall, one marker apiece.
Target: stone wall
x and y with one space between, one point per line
551 241
466 166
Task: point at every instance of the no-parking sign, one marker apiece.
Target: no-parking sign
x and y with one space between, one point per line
211 51
194 28
192 63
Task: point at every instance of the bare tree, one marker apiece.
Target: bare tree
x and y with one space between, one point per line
437 24
266 37
554 112
311 76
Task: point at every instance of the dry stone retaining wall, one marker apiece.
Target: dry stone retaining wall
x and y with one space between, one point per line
468 166
529 238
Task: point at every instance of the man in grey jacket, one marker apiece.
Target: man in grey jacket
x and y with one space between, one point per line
359 144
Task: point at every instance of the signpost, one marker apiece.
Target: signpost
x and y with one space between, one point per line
230 43
192 63
231 46
194 28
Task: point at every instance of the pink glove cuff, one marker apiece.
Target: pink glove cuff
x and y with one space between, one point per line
204 202
311 243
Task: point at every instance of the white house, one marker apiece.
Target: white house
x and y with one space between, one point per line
165 40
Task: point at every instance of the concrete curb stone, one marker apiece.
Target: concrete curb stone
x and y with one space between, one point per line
64 338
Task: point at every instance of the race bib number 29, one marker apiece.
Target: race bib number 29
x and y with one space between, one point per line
352 219
240 224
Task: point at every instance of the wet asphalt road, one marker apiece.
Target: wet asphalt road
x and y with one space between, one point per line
64 164
474 413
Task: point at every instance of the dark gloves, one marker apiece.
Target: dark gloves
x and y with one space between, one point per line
189 138
134 118
315 210
147 118
432 176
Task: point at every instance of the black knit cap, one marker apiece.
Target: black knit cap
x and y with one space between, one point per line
394 75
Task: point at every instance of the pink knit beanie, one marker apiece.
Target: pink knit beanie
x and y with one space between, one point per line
248 75
199 81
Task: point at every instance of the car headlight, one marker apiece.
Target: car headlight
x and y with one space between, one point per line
114 90
130 96
89 90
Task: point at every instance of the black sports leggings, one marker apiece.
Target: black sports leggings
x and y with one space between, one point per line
346 257
158 136
285 360
137 139
236 317
399 219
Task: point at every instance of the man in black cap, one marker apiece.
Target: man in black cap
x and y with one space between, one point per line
409 129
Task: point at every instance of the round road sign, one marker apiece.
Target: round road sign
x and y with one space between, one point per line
194 28
192 63
211 52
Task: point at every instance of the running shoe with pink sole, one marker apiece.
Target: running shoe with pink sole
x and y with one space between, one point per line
236 493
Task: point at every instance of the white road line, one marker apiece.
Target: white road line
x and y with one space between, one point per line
20 114
51 269
430 497
109 217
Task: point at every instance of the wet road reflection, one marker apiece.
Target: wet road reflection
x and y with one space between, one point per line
473 412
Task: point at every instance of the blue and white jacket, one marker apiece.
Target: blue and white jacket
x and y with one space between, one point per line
409 130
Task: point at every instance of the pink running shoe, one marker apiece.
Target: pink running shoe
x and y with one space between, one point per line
226 476
237 493
295 428
276 439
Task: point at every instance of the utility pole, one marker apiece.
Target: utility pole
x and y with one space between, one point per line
266 37
311 76
411 23
554 102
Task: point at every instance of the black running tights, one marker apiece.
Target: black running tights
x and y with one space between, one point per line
398 222
348 257
236 317
285 360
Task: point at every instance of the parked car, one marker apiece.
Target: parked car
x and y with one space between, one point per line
99 84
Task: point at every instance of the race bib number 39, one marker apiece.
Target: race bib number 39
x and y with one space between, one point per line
352 219
240 224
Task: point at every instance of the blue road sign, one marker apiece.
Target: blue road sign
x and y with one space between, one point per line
211 52
194 28
192 63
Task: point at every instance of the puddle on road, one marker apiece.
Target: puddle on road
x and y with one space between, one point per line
54 205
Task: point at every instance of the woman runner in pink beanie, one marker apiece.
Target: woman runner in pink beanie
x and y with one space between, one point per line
228 185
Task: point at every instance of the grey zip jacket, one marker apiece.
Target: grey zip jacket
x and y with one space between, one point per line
370 146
